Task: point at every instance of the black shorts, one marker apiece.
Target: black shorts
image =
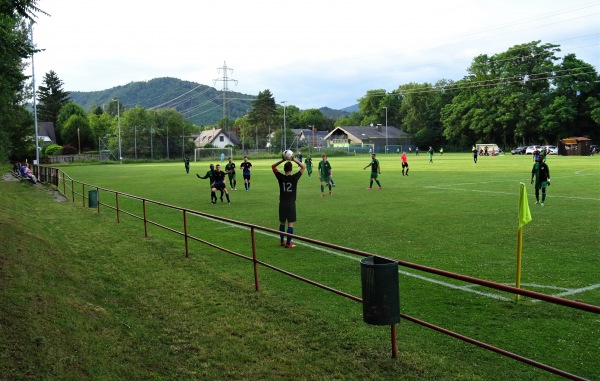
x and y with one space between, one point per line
246 176
404 165
287 212
219 186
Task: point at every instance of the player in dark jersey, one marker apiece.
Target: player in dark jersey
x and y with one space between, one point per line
308 162
219 183
542 179
246 168
186 161
209 175
230 170
374 164
325 174
288 185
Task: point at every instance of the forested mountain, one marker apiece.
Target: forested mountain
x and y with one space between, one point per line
200 104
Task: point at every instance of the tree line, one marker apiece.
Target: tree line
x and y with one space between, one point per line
525 95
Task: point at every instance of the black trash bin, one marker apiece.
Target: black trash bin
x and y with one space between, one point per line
380 291
93 198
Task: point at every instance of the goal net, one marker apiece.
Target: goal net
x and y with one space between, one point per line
393 149
213 154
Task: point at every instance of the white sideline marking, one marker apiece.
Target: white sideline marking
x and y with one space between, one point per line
466 288
505 193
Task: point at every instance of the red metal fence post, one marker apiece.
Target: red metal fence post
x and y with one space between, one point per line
145 219
254 261
185 234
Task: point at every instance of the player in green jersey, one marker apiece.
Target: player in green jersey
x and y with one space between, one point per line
542 178
230 170
210 175
308 162
430 152
375 170
325 174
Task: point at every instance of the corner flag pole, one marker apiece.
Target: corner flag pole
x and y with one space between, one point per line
524 218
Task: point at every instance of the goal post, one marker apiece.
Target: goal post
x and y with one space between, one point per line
393 148
212 153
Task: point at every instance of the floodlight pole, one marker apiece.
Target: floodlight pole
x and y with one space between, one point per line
284 128
119 127
386 134
35 121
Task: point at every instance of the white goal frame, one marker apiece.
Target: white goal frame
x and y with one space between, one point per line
212 153
393 148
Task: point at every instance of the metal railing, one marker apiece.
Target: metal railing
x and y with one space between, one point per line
67 186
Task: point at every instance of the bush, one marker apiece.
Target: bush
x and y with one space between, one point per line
68 149
53 149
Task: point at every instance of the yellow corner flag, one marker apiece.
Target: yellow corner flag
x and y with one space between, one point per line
524 213
524 218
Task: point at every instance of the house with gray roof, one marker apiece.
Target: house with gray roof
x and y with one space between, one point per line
377 136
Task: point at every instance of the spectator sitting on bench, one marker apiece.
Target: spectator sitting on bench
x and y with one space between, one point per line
17 168
28 173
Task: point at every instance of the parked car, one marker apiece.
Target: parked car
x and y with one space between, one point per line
531 149
552 150
519 151
594 149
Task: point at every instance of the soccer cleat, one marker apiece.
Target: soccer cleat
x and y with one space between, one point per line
228 202
369 188
282 243
537 202
542 204
322 194
330 193
379 188
290 246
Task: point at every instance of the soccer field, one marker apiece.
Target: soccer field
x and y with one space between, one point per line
451 214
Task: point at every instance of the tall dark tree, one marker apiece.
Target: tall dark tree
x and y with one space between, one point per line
51 97
263 115
15 46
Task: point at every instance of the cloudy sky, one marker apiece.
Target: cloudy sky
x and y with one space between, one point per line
310 54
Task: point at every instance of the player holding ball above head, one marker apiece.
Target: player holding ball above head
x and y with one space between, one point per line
288 185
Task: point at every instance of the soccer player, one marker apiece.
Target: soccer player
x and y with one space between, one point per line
209 175
475 154
186 161
542 179
308 162
430 152
288 185
375 169
230 170
219 183
404 163
246 168
325 174
300 156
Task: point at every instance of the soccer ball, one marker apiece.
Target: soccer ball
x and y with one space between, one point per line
287 154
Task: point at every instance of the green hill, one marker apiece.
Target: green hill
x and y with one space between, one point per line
200 104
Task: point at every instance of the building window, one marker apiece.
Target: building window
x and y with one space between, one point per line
221 138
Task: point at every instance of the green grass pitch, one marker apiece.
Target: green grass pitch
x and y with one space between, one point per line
451 214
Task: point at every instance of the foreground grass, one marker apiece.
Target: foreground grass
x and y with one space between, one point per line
84 300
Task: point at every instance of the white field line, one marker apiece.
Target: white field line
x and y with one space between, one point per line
553 195
466 288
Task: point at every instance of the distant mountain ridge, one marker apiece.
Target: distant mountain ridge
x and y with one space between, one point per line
200 104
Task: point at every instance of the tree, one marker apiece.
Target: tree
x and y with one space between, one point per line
16 125
263 115
51 98
76 132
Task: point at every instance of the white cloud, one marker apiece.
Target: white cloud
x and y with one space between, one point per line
311 53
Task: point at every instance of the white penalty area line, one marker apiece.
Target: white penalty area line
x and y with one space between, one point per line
466 288
450 188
